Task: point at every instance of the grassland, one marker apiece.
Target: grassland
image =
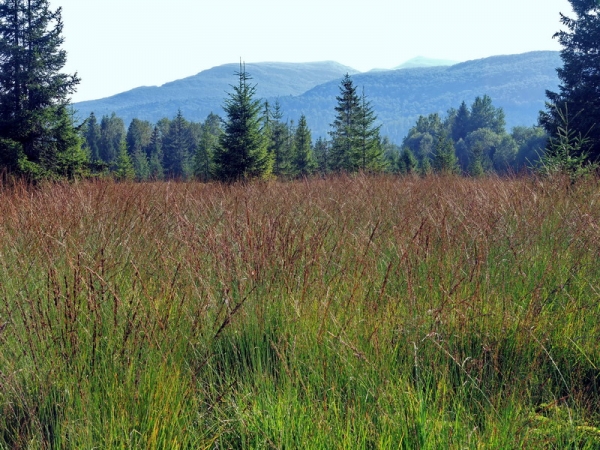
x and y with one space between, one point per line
352 312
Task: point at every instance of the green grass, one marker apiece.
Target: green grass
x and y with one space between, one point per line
351 312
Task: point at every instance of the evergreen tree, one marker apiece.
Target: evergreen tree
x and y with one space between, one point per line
461 123
304 162
178 146
321 152
243 150
124 169
445 160
344 135
138 136
36 128
407 163
485 115
92 137
112 133
578 100
370 150
155 156
141 165
279 145
424 167
204 166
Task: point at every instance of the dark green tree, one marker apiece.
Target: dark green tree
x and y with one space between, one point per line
138 136
407 163
178 147
444 156
204 164
321 152
304 162
279 145
243 150
577 101
155 156
37 133
112 133
344 133
91 136
485 115
461 123
370 151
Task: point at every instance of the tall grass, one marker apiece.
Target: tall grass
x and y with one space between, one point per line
351 312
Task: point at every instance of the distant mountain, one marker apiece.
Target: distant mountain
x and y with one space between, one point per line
199 95
517 83
421 61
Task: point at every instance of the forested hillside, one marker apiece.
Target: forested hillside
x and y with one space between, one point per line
199 95
516 83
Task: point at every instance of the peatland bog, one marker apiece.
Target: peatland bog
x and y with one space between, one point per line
349 312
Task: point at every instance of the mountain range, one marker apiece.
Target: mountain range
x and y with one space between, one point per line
517 83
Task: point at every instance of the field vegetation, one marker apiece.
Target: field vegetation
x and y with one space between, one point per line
347 312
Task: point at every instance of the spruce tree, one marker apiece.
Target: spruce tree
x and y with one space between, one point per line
304 161
577 103
36 128
243 150
92 137
344 133
178 146
370 151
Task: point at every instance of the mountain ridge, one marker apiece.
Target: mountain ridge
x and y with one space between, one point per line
516 83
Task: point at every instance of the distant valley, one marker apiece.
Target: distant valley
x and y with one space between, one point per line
517 83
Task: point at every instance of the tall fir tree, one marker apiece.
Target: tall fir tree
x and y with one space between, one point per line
92 137
577 102
344 133
178 147
243 150
304 161
370 151
37 133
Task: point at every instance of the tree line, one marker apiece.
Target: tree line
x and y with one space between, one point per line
39 138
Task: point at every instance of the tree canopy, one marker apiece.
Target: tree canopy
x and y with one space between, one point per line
577 102
37 136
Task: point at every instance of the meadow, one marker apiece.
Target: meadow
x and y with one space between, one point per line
353 312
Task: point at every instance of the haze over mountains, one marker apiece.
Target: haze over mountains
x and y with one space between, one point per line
516 83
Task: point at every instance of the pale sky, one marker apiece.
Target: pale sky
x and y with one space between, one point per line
116 45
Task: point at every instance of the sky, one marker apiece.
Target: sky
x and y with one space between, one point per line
117 45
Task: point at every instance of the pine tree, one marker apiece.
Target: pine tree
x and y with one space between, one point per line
243 150
304 161
344 133
37 132
578 100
